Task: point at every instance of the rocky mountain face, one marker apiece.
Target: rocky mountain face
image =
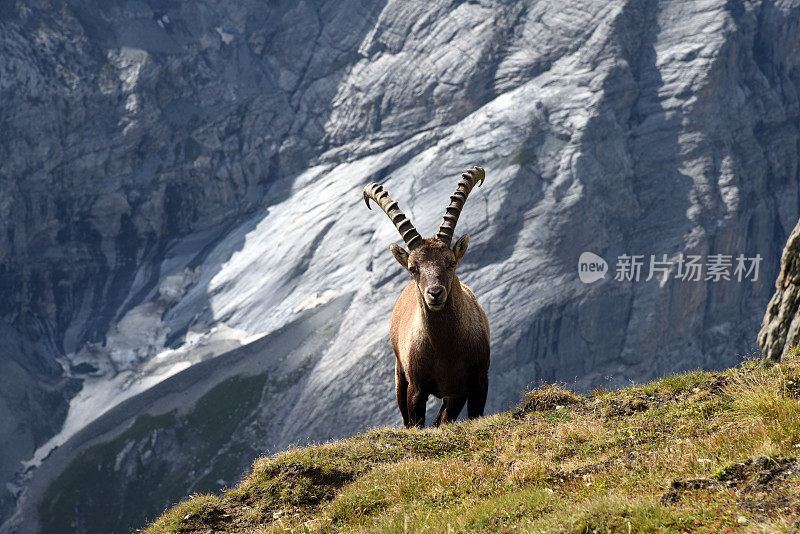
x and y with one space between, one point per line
780 329
190 278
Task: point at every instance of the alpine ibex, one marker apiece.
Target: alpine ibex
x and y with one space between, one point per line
439 332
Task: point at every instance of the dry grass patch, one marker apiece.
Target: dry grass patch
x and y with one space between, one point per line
766 400
199 513
545 398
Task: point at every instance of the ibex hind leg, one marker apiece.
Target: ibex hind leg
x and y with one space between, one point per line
450 409
440 416
454 407
477 396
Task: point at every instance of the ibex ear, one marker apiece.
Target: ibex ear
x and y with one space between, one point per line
400 255
460 248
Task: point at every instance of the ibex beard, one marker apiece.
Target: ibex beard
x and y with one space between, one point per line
439 331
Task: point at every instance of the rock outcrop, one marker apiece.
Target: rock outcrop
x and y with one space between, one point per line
780 330
181 181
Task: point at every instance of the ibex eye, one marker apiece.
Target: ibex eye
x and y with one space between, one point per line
412 269
452 264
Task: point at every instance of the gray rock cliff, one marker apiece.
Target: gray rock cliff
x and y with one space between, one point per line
780 329
180 185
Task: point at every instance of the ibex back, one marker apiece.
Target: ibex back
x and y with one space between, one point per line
439 332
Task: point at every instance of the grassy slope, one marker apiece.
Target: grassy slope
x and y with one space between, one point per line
697 452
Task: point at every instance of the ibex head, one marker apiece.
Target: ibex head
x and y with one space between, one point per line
430 261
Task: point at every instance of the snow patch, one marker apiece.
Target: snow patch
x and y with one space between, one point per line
128 62
315 299
225 36
101 393
174 286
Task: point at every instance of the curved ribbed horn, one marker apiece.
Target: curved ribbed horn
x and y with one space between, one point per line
457 200
389 206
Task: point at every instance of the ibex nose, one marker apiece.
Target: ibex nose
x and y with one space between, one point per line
436 293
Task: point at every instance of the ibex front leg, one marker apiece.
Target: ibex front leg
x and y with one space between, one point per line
477 396
401 389
416 401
